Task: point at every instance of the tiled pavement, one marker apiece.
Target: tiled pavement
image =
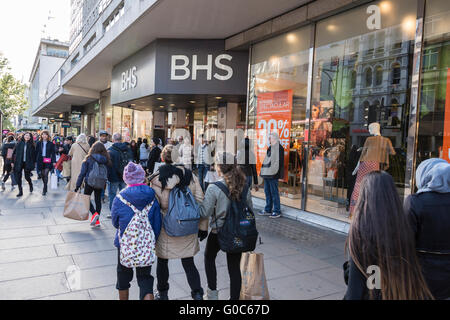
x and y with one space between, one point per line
38 248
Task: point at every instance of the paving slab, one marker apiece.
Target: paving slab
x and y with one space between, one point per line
27 254
30 242
33 288
23 232
34 268
78 295
97 259
84 247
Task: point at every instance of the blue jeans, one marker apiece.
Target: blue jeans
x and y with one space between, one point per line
202 171
113 188
249 182
272 196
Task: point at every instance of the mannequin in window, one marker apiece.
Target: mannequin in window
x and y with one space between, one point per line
374 156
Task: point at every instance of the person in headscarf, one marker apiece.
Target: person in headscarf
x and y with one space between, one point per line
429 214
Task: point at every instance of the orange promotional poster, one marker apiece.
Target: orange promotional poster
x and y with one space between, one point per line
274 113
446 146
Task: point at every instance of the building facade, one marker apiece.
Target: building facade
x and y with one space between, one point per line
50 55
318 72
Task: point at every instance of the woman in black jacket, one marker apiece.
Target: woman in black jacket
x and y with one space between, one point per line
24 160
46 158
383 262
246 159
429 214
154 156
7 152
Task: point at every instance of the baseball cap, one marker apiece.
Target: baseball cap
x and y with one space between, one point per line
103 132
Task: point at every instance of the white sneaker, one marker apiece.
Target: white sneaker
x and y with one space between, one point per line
211 295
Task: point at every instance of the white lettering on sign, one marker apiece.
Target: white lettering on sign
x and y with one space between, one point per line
182 71
374 21
129 79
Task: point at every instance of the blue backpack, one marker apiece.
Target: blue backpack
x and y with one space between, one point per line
183 217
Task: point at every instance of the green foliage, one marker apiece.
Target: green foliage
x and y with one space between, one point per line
13 100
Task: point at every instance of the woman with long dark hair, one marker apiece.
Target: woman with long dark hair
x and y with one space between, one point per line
46 158
381 241
215 205
7 154
24 156
97 154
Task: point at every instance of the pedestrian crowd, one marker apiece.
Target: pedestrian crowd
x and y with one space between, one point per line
163 205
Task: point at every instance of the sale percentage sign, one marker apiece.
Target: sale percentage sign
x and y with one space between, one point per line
284 131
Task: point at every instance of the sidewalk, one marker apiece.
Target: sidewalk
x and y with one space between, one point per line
39 247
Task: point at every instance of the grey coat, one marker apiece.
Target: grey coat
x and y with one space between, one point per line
215 205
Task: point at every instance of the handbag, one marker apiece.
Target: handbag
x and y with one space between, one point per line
76 206
254 282
47 160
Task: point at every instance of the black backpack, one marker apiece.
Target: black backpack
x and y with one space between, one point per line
123 159
238 233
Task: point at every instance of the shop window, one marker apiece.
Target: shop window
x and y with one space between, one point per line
332 135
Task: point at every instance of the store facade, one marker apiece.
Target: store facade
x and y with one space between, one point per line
384 62
173 86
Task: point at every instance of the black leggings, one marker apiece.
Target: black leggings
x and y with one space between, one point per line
234 267
144 279
98 198
18 174
7 168
192 275
44 175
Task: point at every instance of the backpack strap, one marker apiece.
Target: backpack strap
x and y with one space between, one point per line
224 188
136 210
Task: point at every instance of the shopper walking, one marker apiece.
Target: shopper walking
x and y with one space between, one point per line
135 151
154 155
46 158
94 169
215 205
185 248
119 159
247 161
104 135
136 198
144 153
7 155
273 170
77 153
381 241
203 161
428 212
24 156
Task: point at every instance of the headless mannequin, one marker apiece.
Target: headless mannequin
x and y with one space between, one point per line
374 130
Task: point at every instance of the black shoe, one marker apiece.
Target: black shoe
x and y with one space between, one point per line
20 194
31 188
44 193
197 295
162 295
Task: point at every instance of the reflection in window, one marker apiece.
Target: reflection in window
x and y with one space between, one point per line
378 75
368 74
396 73
353 79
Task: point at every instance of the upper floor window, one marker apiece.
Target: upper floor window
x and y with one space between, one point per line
368 77
378 75
396 73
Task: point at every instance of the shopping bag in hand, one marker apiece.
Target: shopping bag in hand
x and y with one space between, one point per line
77 206
254 283
54 182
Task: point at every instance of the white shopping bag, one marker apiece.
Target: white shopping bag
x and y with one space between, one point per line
53 182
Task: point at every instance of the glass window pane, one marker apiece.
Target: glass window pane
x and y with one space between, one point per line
434 115
279 81
372 42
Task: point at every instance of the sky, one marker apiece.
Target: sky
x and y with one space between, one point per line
21 26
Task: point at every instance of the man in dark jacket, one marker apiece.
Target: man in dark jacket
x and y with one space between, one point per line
154 155
119 153
247 161
273 170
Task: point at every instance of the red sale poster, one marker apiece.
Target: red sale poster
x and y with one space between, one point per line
274 113
446 146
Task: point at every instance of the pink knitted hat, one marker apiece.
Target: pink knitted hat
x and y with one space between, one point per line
133 174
